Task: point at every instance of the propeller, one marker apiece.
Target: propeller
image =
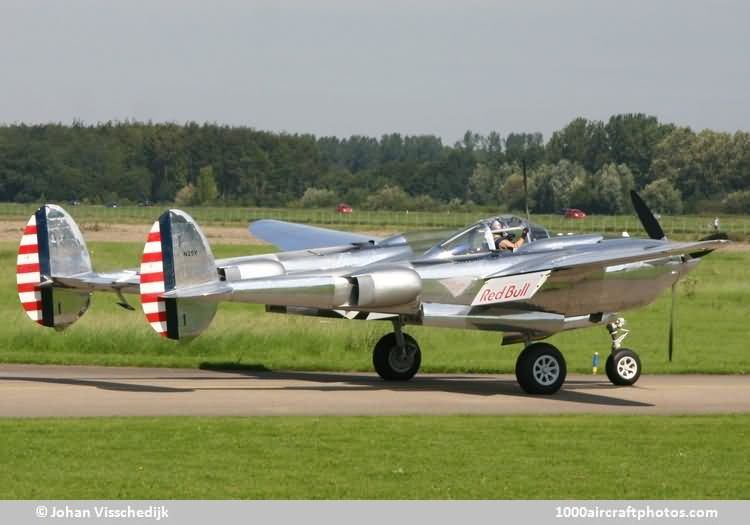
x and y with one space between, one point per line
654 230
670 348
715 236
650 223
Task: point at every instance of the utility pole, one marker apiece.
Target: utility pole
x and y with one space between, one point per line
525 184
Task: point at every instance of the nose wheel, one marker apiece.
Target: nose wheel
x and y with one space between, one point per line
623 367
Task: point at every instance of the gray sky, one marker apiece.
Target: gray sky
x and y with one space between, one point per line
344 67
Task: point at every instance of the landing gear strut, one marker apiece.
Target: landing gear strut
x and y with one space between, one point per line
396 356
623 365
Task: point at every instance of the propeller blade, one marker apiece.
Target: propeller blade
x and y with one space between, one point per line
671 322
715 236
650 224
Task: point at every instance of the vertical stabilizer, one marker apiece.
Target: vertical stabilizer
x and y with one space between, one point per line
176 255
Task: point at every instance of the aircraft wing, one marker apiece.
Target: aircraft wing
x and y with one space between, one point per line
593 257
293 236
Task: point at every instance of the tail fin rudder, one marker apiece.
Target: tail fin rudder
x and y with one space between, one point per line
51 246
176 255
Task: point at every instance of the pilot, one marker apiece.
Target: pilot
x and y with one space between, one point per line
504 240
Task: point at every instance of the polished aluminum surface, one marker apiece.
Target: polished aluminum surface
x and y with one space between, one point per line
67 255
386 287
456 279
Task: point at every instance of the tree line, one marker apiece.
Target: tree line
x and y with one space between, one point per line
588 164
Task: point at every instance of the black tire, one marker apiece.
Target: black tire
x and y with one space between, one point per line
623 367
541 369
388 361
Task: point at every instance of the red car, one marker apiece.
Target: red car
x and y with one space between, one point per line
344 208
574 213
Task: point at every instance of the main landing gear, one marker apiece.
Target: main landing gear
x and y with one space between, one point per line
396 356
541 369
623 366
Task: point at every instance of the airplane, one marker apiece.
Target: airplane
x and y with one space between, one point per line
537 286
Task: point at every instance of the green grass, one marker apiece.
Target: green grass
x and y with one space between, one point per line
557 457
711 321
682 226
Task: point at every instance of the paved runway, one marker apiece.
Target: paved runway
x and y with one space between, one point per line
34 391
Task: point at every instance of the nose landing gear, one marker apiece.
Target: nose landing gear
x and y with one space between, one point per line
623 365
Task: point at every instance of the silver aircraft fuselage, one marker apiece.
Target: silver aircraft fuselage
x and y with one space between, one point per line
453 279
569 298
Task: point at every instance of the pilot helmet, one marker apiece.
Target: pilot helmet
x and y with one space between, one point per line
497 226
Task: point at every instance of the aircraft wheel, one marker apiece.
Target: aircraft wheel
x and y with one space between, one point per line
540 369
394 364
623 367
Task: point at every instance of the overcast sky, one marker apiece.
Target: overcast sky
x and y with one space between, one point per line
346 67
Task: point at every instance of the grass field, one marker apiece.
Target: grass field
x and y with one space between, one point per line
682 226
556 457
711 320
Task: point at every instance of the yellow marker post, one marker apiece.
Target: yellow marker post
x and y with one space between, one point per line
595 363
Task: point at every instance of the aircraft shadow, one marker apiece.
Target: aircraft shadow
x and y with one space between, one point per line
455 384
347 382
103 384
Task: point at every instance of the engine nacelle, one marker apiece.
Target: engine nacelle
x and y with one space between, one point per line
386 288
253 270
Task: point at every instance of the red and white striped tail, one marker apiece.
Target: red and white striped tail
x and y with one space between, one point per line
176 256
28 272
152 282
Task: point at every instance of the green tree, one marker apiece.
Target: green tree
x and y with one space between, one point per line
388 198
582 141
738 202
528 147
318 198
484 184
205 187
513 194
554 185
703 166
632 139
661 196
607 191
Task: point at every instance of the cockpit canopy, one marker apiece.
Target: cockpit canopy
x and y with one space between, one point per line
481 237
